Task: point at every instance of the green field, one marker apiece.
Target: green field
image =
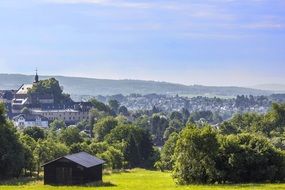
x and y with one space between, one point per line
137 180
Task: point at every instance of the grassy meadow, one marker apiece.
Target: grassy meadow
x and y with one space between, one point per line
137 179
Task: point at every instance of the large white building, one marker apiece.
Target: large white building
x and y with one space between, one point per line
67 115
30 120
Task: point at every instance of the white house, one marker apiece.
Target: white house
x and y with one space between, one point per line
30 120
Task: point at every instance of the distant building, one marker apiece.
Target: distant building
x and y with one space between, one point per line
30 120
44 105
73 169
38 99
70 116
22 98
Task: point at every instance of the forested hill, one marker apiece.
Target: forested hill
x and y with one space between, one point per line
90 86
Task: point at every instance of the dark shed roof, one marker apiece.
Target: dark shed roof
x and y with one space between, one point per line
82 158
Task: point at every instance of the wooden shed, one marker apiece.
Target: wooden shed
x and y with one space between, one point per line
73 169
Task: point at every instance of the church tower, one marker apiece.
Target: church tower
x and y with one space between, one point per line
36 77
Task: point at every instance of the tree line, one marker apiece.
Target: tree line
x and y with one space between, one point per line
122 144
247 148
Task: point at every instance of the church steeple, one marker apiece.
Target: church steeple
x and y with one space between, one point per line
36 77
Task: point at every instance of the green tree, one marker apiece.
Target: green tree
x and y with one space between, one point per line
70 135
195 155
57 124
176 116
103 127
47 150
248 122
158 125
51 87
112 154
114 158
34 132
83 125
100 106
174 126
29 146
168 132
79 147
143 122
94 116
185 114
206 115
278 142
138 150
114 105
12 152
132 154
122 120
123 110
97 148
167 152
275 120
246 158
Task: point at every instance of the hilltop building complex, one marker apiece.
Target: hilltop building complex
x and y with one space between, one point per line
39 109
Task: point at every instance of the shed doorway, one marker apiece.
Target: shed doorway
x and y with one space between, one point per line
64 175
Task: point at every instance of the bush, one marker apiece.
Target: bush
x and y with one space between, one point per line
249 158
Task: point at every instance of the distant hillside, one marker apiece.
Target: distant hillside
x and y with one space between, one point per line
271 87
89 86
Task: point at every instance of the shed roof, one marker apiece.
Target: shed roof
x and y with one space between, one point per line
82 158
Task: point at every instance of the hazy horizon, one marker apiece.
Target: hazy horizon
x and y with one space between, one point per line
214 42
268 86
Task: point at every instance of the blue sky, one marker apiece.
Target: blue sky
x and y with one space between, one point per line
209 42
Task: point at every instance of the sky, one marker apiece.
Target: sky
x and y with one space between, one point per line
206 42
